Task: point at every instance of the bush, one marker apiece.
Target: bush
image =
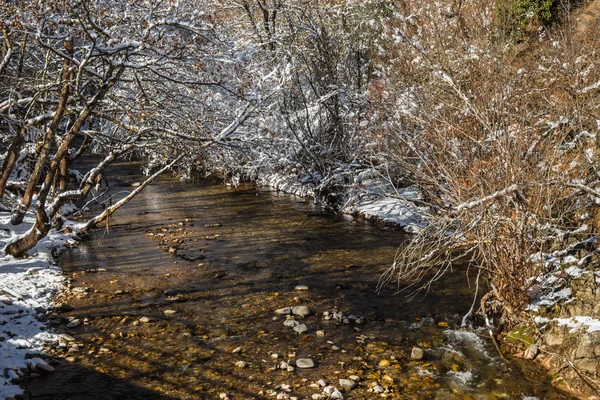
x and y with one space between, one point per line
517 17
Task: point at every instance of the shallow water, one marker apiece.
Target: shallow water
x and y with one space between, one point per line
226 282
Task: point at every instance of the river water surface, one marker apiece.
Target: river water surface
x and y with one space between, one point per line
178 296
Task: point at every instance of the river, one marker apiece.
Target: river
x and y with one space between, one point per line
177 298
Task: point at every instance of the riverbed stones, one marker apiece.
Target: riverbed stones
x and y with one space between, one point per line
300 328
284 311
416 354
74 323
305 363
45 367
291 323
333 392
347 384
384 363
66 307
301 311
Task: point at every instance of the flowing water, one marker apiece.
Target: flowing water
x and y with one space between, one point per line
227 258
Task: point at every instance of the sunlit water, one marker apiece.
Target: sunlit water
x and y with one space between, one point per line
242 271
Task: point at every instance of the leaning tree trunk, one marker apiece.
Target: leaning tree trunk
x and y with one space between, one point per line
42 225
42 159
10 160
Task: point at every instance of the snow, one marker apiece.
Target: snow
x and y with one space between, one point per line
27 287
575 323
370 196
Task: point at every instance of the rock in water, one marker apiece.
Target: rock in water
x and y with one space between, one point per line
416 354
333 392
302 311
300 328
74 324
305 363
284 311
347 384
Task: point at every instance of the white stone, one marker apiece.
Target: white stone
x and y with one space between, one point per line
347 384
284 311
74 324
305 363
300 328
302 311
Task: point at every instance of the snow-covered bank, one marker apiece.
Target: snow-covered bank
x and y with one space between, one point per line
27 287
368 195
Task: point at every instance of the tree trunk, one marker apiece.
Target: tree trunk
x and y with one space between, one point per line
42 159
11 159
42 224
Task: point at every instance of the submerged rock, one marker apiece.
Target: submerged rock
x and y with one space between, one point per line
284 311
301 311
300 328
74 324
347 384
416 354
305 363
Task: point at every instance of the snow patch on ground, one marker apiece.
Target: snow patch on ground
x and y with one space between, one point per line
27 287
575 323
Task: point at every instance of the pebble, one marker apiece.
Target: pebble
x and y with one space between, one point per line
355 378
317 396
241 364
170 312
333 392
378 389
305 363
292 323
290 368
321 333
74 324
416 354
223 396
144 320
284 311
170 292
384 363
66 307
359 321
274 356
347 384
237 350
300 328
45 367
302 311
321 383
67 338
301 287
